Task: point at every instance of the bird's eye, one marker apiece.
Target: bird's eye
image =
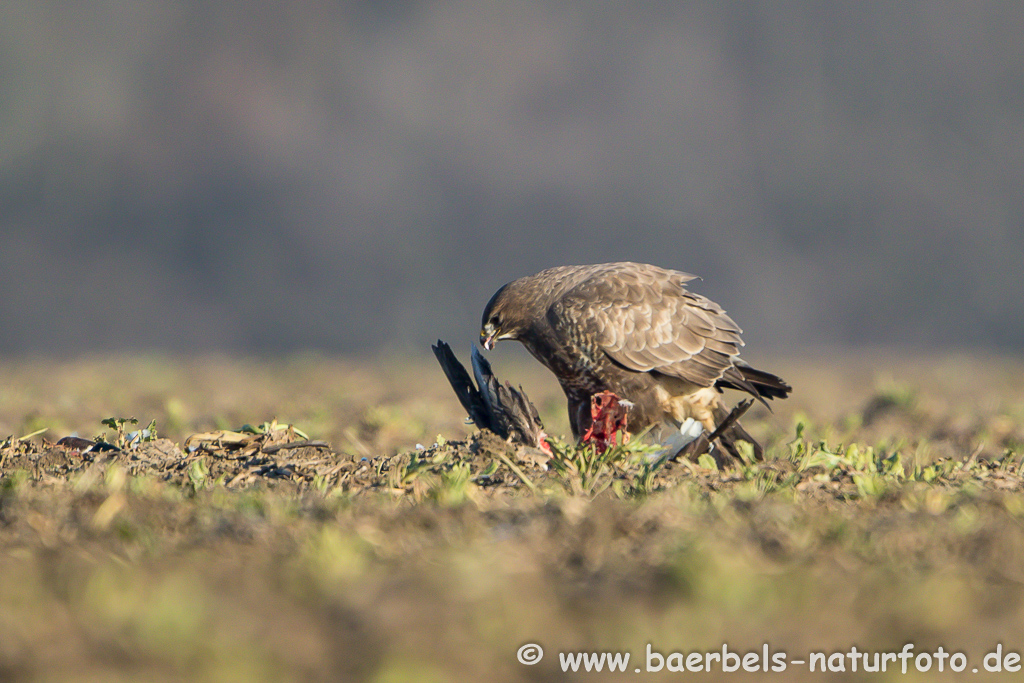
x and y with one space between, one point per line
493 321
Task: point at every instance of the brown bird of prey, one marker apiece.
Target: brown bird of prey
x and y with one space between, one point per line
634 330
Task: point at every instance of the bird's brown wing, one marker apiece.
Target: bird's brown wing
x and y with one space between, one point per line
644 319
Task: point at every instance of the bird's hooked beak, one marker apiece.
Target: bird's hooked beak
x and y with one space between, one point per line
491 334
488 336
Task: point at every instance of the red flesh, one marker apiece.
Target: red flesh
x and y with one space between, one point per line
608 420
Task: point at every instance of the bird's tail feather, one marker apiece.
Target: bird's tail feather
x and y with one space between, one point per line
757 383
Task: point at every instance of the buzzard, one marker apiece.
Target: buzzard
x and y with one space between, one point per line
634 330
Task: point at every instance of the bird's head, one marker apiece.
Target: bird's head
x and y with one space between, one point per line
503 317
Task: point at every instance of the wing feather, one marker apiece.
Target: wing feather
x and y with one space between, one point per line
644 319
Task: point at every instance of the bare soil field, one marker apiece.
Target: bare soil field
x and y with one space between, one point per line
335 519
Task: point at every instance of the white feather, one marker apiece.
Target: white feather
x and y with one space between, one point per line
678 439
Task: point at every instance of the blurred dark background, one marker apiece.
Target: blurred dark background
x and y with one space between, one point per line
277 176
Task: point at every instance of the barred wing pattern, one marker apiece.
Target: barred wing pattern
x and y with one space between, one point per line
644 319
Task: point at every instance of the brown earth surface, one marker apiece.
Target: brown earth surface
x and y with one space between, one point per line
347 541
